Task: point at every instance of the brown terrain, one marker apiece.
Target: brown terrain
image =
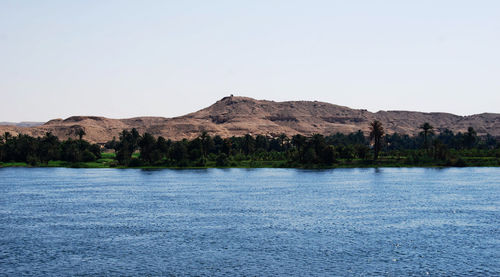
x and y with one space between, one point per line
236 116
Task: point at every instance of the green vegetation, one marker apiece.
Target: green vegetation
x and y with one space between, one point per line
339 150
46 151
376 134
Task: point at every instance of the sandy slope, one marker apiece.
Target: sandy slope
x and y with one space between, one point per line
241 115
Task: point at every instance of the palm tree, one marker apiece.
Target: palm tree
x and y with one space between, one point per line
376 133
7 136
299 141
248 144
206 140
80 133
283 139
470 137
426 130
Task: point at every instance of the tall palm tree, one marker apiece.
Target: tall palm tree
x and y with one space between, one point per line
426 130
248 144
376 133
7 136
470 137
299 141
80 133
283 139
205 143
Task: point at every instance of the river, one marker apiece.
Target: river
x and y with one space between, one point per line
250 222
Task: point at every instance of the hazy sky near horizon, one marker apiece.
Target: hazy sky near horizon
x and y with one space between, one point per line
166 58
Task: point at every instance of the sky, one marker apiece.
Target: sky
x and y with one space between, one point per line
123 59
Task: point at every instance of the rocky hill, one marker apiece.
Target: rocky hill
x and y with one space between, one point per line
241 115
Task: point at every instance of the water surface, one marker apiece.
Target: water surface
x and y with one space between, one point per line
248 222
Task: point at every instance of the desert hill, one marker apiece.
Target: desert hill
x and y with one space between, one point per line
241 115
22 124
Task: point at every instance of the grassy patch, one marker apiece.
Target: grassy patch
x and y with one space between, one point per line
15 164
108 155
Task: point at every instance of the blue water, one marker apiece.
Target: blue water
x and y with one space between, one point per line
258 222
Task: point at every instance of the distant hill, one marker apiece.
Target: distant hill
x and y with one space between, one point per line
235 116
22 124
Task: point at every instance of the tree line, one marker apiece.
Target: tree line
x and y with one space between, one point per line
41 150
135 150
428 146
224 151
446 148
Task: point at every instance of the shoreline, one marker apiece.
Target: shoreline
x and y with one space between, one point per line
353 166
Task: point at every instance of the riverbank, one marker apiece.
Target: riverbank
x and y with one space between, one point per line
108 162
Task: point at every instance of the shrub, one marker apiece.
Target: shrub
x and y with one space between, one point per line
460 163
212 157
88 156
239 157
135 162
222 160
32 160
201 162
182 163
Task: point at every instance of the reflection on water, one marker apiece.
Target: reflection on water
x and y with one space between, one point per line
408 221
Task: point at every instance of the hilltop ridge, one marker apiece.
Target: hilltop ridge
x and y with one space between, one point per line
237 115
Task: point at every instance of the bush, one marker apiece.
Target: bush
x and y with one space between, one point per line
212 157
460 163
239 157
222 160
88 156
328 155
135 162
32 160
96 150
201 162
310 156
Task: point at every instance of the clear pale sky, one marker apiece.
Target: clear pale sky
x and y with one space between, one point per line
166 58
